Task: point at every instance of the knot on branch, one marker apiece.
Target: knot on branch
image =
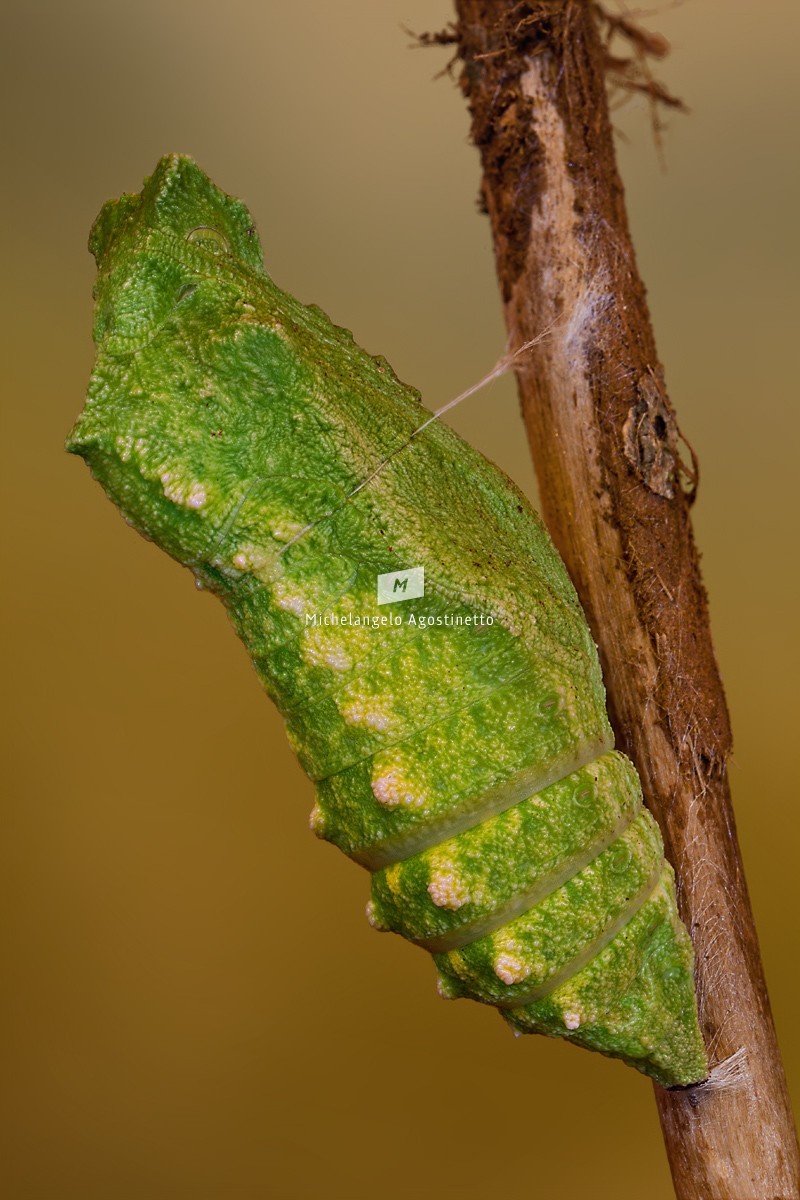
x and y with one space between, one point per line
650 437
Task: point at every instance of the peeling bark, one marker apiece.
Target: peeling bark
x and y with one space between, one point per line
616 496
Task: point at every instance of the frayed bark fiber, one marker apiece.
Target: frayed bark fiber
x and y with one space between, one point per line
616 492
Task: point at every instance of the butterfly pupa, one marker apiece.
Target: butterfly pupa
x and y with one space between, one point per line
458 740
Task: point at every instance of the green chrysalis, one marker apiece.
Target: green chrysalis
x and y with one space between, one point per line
458 740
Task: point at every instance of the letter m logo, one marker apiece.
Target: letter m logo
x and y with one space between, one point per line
395 586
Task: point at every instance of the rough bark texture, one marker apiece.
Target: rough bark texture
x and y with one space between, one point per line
616 496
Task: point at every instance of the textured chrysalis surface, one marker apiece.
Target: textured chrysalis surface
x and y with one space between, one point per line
458 740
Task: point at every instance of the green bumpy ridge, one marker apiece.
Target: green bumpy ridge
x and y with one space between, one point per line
459 741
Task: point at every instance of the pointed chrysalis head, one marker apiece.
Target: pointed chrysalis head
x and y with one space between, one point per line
138 285
173 262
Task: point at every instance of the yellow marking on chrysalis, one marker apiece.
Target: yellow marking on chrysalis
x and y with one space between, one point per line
284 531
320 649
372 714
510 968
288 599
261 561
446 890
391 789
189 495
393 880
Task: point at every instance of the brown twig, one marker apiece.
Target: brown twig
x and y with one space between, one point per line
605 443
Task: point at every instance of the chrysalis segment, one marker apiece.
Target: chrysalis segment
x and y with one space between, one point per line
464 660
459 741
464 888
379 716
525 958
634 1000
458 772
427 680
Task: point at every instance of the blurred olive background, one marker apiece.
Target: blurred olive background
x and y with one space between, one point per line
194 1005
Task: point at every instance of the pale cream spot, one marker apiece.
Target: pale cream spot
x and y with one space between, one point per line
288 600
190 495
262 562
445 988
446 890
322 649
337 660
372 714
314 647
374 919
316 820
391 789
572 1020
197 496
284 531
124 445
171 488
510 969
